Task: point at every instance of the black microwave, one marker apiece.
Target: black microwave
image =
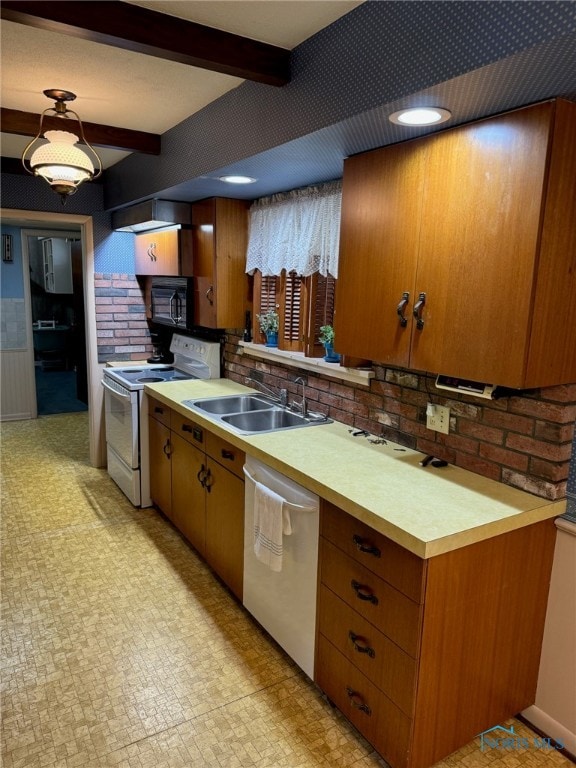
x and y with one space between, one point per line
172 301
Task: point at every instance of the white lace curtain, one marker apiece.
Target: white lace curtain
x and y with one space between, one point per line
297 231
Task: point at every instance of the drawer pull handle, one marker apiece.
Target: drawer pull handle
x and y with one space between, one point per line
361 648
157 409
227 454
364 593
358 702
364 546
186 428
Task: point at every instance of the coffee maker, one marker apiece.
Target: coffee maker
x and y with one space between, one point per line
161 339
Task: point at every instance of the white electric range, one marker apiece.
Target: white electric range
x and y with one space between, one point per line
126 408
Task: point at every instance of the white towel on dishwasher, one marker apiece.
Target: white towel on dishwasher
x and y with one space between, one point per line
271 524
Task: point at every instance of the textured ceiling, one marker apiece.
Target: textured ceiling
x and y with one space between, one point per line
475 58
126 89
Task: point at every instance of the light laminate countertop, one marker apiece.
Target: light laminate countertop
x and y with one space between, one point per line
427 510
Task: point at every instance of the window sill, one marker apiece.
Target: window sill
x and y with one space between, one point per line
360 376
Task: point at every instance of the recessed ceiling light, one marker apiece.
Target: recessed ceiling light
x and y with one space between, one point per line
238 179
420 116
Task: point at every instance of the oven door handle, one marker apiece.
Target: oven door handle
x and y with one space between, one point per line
115 391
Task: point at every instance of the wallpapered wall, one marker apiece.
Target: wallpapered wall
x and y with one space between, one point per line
113 251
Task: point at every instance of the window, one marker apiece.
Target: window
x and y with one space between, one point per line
303 304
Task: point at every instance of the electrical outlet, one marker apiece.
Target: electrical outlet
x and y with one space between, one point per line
438 418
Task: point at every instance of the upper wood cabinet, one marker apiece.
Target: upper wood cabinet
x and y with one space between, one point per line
458 251
220 238
165 252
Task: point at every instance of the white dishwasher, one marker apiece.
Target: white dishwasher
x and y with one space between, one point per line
283 599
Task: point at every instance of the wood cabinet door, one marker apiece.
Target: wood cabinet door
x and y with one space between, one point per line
381 203
231 280
220 237
225 526
188 495
478 246
156 253
204 250
160 466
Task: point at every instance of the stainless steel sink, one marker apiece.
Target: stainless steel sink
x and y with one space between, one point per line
233 404
252 413
265 421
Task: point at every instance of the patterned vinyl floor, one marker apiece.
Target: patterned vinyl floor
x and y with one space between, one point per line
119 647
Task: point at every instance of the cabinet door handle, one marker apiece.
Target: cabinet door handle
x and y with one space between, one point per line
151 253
201 476
208 481
228 454
357 701
210 294
401 307
418 309
364 546
363 592
361 648
167 449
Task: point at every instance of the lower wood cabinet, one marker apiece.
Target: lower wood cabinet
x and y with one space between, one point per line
196 479
188 494
423 655
160 460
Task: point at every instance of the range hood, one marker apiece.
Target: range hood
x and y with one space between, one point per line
150 215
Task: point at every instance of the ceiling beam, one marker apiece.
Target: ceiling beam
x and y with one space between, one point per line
26 124
141 30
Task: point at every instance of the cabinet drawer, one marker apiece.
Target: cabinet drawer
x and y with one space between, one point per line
188 430
384 557
159 411
386 608
391 669
375 716
225 454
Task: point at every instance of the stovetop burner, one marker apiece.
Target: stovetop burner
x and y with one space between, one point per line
194 358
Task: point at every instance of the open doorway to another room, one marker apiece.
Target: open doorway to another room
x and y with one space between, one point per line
58 327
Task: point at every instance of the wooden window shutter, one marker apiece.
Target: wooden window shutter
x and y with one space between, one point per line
290 336
266 298
320 291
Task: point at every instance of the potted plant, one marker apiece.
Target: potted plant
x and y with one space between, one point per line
326 337
269 324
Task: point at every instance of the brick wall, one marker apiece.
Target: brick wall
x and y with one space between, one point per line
523 440
121 327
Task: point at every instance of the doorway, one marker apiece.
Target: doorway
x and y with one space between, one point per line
25 363
56 282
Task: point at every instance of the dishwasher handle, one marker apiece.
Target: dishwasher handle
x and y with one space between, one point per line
286 501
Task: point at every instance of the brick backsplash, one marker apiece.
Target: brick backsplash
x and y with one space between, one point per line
524 440
121 327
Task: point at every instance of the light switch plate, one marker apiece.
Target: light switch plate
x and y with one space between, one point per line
438 418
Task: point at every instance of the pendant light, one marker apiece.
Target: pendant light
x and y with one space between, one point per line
58 160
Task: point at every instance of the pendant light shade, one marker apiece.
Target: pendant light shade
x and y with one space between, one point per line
58 160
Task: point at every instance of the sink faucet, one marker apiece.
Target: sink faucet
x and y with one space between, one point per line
281 397
302 404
